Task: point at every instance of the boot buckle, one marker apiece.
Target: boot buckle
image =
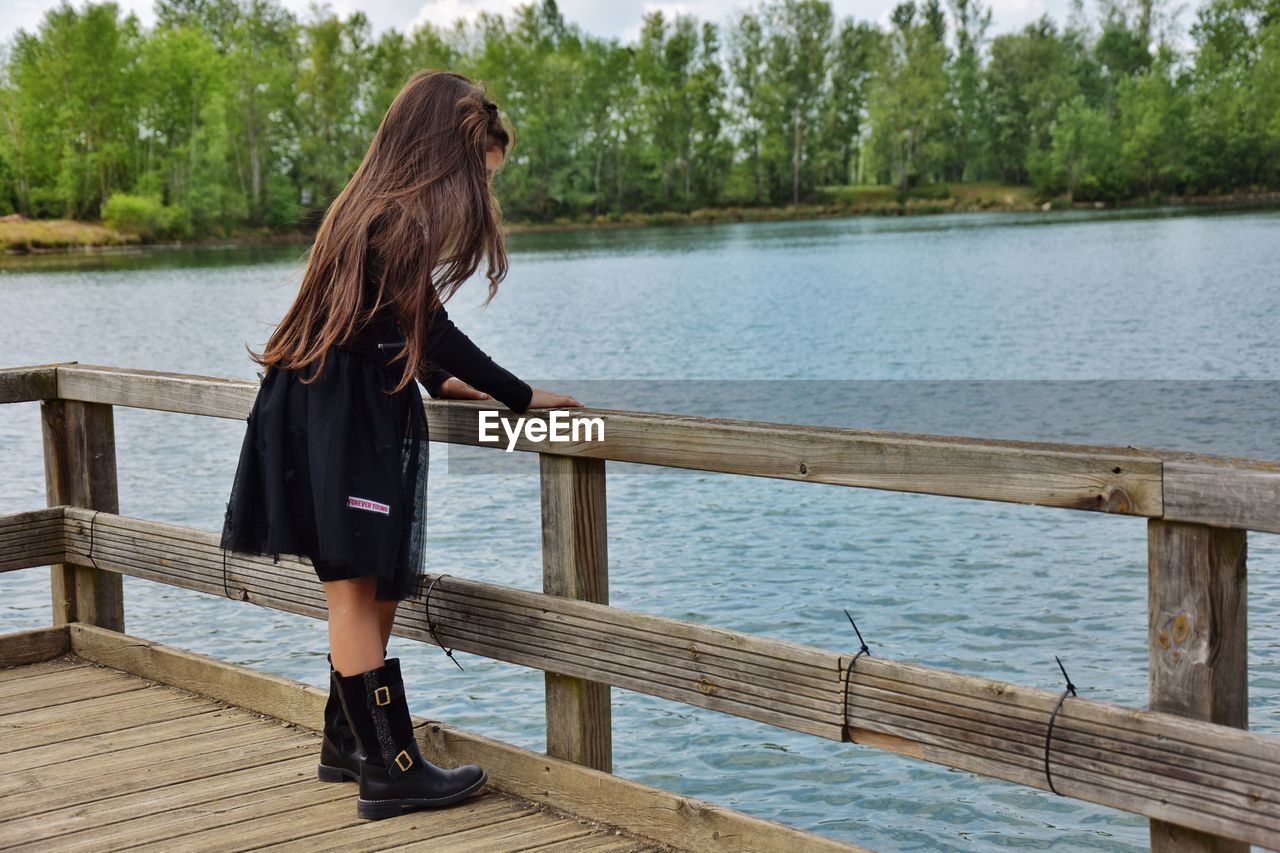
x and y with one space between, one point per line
407 760
382 696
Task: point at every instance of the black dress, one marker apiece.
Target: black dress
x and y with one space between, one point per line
336 470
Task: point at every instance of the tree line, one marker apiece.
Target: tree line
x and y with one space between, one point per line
233 113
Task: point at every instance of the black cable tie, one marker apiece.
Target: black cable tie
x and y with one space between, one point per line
431 628
243 594
229 521
1070 690
92 521
844 716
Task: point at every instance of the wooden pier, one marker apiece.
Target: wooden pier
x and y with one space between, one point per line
1187 762
98 758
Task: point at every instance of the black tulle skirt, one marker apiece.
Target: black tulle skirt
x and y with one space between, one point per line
336 471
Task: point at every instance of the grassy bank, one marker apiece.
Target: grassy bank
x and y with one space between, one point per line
831 202
29 235
20 235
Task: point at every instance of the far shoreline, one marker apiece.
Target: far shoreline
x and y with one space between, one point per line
95 237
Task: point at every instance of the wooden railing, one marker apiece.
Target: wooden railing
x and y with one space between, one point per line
1188 762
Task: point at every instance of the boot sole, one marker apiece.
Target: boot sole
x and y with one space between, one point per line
325 773
379 809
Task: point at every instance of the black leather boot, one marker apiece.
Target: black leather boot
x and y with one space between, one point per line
394 776
340 752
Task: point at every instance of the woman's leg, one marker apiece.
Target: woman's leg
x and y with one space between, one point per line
355 625
386 617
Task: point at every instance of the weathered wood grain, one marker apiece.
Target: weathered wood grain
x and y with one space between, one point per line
35 734
1209 777
575 564
159 390
687 823
1221 786
87 686
11 674
28 647
1115 480
1126 480
697 664
80 469
1197 621
30 539
24 384
153 818
1106 479
477 811
55 676
1222 495
244 782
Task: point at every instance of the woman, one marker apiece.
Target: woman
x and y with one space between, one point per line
333 464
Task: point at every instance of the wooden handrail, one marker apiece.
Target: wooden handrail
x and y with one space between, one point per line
30 539
1171 485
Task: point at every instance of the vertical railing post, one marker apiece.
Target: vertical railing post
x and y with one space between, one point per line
575 564
80 470
1198 650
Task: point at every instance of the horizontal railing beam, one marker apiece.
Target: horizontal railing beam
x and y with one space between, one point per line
1129 481
1020 472
1219 495
152 389
1221 491
25 384
31 539
1196 774
1106 479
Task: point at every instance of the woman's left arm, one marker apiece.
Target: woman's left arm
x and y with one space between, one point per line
433 378
441 385
444 344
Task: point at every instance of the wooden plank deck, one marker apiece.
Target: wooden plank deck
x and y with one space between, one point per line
110 741
99 759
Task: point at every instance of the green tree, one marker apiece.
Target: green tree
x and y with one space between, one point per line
608 91
534 66
799 57
73 109
1084 155
971 20
844 111
259 39
1264 79
333 84
15 188
1233 101
1030 76
909 112
1153 116
394 57
665 57
750 112
232 113
183 125
710 152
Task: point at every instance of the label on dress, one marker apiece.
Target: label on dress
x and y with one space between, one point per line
364 503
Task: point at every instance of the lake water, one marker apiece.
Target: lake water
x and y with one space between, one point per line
1147 330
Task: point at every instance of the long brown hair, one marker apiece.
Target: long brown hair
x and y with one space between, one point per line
421 199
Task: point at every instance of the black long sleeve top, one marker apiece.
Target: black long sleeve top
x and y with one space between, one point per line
447 351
